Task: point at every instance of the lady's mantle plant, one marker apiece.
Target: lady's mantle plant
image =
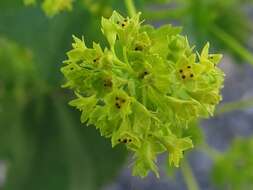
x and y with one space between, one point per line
144 88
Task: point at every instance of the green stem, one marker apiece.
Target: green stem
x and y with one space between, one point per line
123 65
210 151
144 96
164 14
125 55
189 177
232 106
130 7
233 44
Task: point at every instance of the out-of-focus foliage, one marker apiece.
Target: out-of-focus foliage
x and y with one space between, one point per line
96 7
144 84
29 2
52 7
234 169
17 81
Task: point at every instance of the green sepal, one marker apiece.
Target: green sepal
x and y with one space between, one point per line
177 149
118 97
126 136
145 159
85 104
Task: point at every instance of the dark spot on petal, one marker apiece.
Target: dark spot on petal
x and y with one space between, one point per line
116 98
191 75
183 77
130 140
117 105
138 48
118 22
123 100
125 141
180 70
123 25
189 67
107 83
119 140
125 20
71 68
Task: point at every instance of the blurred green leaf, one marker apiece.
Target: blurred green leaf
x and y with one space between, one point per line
234 170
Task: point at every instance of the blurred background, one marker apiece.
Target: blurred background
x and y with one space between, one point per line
43 146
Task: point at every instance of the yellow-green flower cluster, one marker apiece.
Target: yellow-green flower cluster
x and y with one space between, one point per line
144 85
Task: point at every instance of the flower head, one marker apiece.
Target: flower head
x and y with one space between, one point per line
147 84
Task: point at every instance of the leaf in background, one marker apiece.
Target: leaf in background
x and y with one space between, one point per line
234 169
225 23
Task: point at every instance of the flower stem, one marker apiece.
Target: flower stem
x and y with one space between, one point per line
233 44
210 151
189 177
164 14
232 106
130 7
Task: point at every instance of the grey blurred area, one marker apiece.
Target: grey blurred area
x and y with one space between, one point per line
2 172
219 132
